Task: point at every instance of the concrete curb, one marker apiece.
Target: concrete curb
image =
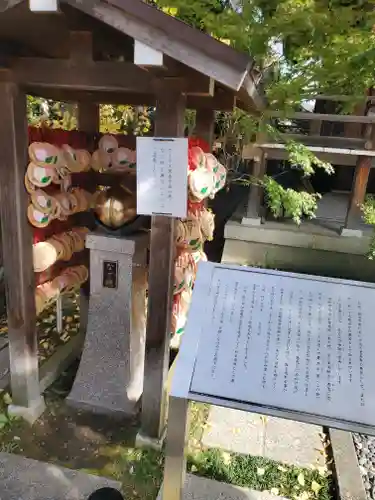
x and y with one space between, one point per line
347 474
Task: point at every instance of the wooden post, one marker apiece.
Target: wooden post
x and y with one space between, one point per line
357 197
169 122
88 117
205 125
17 254
89 122
358 194
253 209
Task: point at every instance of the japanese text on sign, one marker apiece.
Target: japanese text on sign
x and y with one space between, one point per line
291 343
162 167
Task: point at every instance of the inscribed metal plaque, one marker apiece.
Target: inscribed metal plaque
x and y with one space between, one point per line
162 169
110 274
288 342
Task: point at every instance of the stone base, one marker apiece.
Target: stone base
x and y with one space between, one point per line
251 221
352 233
302 250
142 441
110 376
199 488
125 410
30 414
26 479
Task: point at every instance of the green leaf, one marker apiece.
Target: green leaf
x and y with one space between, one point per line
301 479
44 180
7 399
3 419
204 190
316 487
50 159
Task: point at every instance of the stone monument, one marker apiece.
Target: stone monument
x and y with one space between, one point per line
110 375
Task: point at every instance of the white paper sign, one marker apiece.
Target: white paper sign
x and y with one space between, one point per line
289 343
162 169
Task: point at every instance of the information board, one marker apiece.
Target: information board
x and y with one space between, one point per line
162 169
288 342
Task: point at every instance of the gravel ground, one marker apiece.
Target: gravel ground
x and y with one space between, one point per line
365 447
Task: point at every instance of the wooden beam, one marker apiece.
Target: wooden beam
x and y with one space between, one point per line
169 122
8 4
250 94
340 98
281 154
220 101
81 47
328 141
205 125
172 37
321 116
17 254
67 74
99 76
318 149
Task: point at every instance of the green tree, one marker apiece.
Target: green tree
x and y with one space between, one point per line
306 47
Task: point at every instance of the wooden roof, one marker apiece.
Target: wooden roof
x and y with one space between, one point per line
114 24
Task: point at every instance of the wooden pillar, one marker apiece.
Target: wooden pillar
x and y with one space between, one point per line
88 117
169 122
253 209
205 125
89 122
361 176
17 255
358 194
253 214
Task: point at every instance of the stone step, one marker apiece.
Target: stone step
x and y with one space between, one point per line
199 488
25 479
286 441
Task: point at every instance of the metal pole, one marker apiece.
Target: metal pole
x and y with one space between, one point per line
175 451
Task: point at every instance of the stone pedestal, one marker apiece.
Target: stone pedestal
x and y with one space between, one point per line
110 375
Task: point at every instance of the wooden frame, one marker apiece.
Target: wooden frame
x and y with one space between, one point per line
198 72
17 255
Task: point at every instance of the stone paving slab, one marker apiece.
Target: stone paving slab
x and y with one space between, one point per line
25 479
199 488
282 440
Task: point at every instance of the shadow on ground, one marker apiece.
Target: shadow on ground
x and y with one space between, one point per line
87 442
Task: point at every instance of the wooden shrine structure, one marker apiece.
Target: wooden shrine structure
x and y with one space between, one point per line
337 240
91 52
342 140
